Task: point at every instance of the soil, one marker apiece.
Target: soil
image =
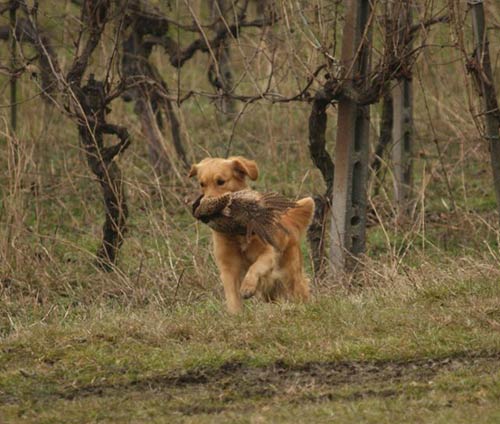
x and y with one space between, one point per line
314 381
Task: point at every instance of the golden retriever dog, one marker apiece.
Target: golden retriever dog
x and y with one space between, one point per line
250 266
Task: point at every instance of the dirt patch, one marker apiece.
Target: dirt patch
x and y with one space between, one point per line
328 373
266 381
235 383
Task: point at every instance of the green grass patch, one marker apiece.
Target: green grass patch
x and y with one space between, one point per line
82 362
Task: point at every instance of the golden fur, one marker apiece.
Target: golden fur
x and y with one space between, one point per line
249 267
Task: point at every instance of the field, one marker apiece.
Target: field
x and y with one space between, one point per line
413 336
426 354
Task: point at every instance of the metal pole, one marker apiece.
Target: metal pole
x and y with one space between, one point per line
484 76
402 148
402 133
351 149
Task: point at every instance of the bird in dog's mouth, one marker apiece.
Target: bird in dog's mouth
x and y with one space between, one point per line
244 212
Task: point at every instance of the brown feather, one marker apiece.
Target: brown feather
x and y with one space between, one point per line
244 212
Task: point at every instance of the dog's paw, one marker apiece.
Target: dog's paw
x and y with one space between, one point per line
247 293
248 289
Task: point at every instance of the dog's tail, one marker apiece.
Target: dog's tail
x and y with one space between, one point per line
301 216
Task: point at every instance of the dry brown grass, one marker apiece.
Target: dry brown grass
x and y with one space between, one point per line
427 288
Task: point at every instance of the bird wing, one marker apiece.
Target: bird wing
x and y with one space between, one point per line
264 232
265 217
245 212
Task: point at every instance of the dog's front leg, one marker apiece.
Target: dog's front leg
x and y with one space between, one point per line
263 265
231 280
230 262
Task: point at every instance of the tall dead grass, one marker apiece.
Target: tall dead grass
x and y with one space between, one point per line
51 212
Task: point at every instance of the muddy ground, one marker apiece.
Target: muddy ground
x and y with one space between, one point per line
234 382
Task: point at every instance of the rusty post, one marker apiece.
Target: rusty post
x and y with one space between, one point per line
351 149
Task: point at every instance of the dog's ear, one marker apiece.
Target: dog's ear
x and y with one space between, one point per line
245 166
193 171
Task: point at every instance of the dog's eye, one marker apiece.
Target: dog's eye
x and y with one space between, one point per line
220 181
202 184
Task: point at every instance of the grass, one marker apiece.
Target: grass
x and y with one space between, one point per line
412 337
361 355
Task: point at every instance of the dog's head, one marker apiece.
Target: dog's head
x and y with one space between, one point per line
218 176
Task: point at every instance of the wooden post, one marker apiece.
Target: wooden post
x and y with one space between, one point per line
402 133
351 149
13 78
484 77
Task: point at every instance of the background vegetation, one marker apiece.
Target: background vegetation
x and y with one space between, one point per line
414 336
